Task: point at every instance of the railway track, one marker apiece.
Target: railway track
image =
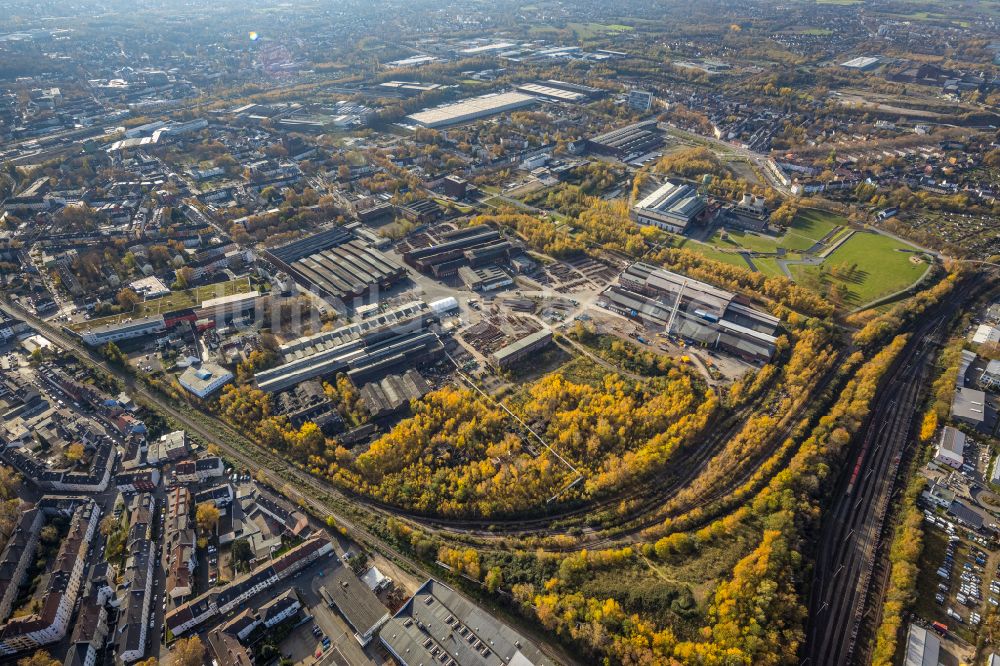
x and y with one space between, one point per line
647 497
851 537
652 492
274 470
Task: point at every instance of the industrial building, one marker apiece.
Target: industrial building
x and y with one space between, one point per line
414 61
750 212
950 448
628 142
692 310
393 393
421 211
365 350
484 278
969 406
356 603
671 207
336 264
520 349
471 109
125 330
475 246
560 91
439 626
225 308
204 380
492 47
922 647
409 87
862 63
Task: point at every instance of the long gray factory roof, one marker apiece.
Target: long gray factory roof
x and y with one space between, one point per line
358 604
438 624
517 346
400 316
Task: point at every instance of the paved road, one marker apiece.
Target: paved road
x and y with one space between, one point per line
306 490
251 458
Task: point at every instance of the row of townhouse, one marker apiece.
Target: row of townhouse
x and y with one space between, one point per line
65 580
222 600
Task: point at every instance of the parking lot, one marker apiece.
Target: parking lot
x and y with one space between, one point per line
959 579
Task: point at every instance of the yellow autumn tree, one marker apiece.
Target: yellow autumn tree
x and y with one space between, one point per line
929 426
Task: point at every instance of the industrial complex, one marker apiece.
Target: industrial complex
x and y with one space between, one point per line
437 625
693 310
376 345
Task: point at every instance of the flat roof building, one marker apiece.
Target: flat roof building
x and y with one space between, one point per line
484 278
965 514
205 380
986 334
969 406
123 330
515 351
552 93
922 647
862 63
356 602
471 109
487 48
439 626
411 62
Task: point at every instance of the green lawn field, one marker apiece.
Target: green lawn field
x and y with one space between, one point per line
880 268
815 224
591 30
710 252
768 267
809 227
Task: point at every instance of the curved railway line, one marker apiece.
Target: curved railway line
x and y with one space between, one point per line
647 496
851 537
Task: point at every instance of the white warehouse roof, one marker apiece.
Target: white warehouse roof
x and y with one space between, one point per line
444 305
471 109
